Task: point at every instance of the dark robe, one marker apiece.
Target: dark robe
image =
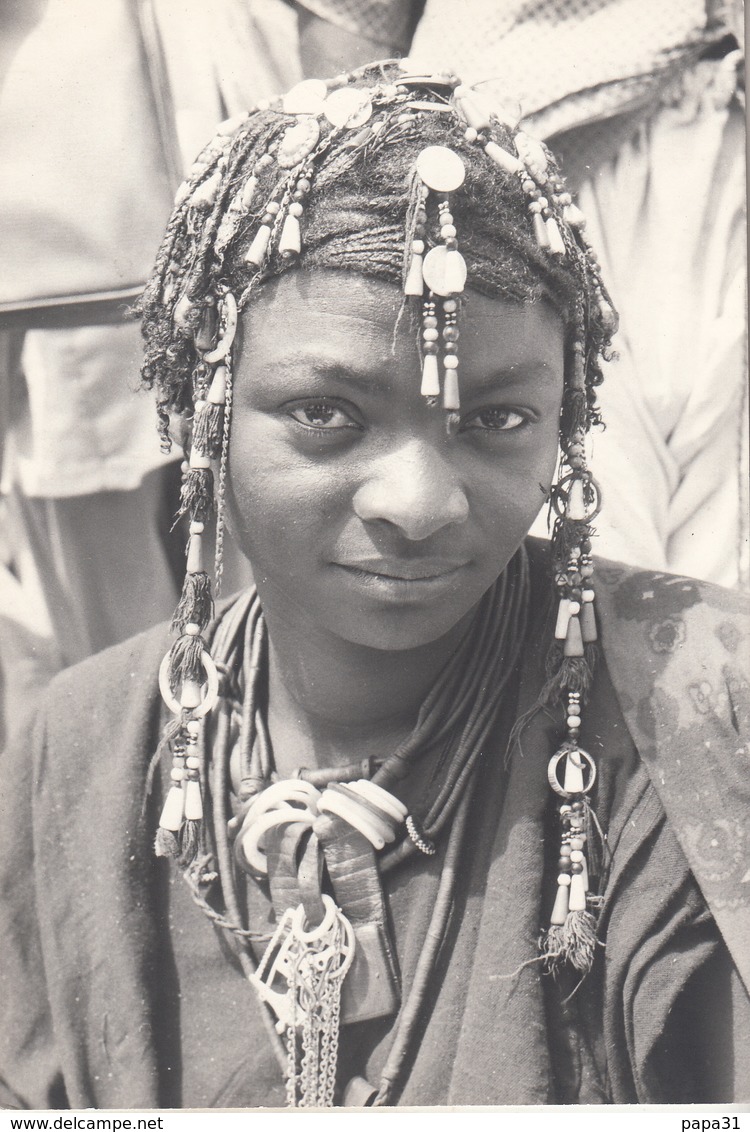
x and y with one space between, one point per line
118 993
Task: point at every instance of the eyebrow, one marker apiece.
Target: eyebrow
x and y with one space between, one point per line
367 380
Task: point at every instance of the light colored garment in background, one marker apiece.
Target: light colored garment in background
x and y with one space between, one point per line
96 159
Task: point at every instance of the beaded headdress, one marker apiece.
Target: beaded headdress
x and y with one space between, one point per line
253 206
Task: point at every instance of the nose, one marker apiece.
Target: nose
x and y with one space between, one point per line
415 489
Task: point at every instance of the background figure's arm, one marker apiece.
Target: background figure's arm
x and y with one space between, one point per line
340 35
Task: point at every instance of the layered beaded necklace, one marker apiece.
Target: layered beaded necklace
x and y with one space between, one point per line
342 827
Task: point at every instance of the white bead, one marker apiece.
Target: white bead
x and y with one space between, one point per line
501 157
256 253
574 608
447 232
430 377
576 856
197 528
192 629
192 762
193 801
171 815
563 880
177 774
193 727
417 246
573 721
588 595
451 398
450 361
577 893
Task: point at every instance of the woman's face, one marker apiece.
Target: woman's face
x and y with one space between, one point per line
360 516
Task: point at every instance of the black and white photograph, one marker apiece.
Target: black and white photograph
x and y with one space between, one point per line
374 559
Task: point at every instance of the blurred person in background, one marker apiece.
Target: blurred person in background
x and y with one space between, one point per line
102 108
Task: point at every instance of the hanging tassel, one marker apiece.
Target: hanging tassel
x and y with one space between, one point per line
573 942
189 843
185 664
196 604
197 494
208 429
166 844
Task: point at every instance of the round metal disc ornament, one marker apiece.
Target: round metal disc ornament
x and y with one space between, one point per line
297 142
306 97
348 107
584 762
433 271
441 169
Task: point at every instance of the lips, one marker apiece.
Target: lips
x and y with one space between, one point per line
404 570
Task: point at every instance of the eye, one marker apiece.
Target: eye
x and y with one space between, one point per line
497 419
321 415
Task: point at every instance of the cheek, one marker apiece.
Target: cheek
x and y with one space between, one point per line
276 503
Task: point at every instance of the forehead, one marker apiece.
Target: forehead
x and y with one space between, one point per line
347 319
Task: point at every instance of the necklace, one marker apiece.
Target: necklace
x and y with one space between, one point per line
454 721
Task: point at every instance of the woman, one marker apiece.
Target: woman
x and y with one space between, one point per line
457 859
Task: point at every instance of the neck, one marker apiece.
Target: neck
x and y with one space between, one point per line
333 702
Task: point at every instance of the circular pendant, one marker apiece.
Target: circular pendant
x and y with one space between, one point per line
306 97
297 142
348 107
439 280
441 169
583 763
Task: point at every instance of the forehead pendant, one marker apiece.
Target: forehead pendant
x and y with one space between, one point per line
441 273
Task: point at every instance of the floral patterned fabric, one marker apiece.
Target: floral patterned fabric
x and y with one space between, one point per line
678 651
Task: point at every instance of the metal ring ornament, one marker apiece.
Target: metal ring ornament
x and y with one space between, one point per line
554 763
559 497
211 697
324 928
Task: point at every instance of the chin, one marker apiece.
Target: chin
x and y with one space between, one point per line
398 629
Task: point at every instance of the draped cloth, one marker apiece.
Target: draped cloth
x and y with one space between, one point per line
117 993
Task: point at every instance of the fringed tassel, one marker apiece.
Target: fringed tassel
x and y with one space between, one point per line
166 844
185 664
208 429
196 606
573 942
565 674
189 843
197 494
